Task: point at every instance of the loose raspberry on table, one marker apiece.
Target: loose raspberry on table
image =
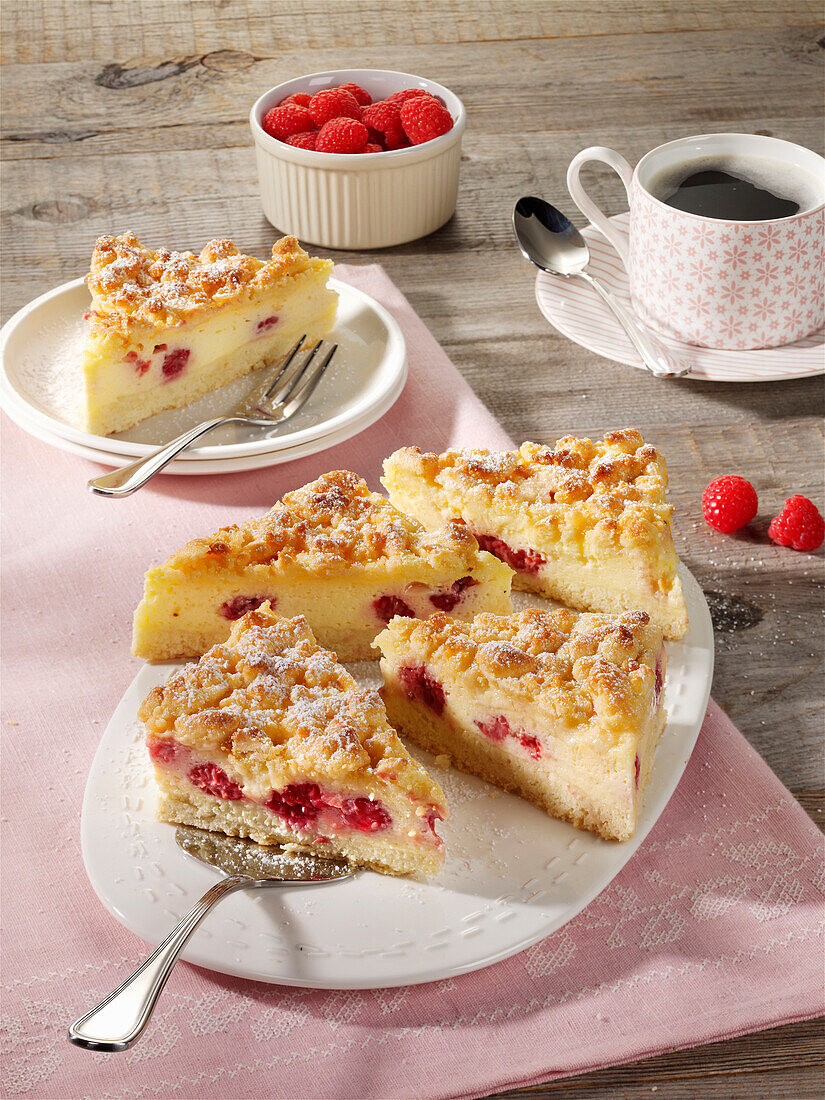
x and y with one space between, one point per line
288 119
342 135
423 118
361 96
385 118
333 103
303 141
301 98
729 503
799 525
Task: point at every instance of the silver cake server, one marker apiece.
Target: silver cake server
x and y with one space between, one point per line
118 1021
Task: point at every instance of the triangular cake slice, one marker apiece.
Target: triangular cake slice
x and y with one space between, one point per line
563 709
268 737
582 522
332 551
167 327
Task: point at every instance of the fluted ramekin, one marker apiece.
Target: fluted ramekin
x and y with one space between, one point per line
361 201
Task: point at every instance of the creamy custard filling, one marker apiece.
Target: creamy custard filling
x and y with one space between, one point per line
316 813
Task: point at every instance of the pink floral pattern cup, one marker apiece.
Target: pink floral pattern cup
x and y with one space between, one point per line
719 284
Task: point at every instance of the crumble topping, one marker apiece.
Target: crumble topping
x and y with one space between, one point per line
567 664
616 485
276 705
330 524
132 284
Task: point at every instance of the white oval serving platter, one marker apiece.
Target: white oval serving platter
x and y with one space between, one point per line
513 875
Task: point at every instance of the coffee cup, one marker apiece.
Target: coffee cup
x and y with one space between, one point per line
720 282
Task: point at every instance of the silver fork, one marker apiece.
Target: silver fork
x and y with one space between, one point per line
273 402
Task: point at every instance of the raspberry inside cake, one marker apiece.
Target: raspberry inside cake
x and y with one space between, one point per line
582 522
332 551
268 737
563 709
167 327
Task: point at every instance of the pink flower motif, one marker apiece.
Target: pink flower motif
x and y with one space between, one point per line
732 294
747 238
729 327
768 271
793 318
769 235
795 285
735 255
698 306
796 251
700 269
764 310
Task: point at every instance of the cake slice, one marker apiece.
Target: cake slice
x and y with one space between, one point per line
582 522
564 709
167 327
332 551
268 737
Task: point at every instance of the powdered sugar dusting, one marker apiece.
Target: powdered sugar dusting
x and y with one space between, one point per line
50 372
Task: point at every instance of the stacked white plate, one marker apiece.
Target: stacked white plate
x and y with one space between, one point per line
41 386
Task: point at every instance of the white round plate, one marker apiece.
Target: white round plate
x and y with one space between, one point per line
513 875
223 465
574 308
40 380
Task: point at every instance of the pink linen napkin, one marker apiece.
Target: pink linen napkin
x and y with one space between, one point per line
713 929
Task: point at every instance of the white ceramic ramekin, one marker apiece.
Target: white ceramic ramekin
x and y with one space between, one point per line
358 201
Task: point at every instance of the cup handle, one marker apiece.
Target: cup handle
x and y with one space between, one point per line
580 197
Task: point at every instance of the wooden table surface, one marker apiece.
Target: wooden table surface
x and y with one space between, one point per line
132 114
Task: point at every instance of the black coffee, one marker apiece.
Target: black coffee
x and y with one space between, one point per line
713 193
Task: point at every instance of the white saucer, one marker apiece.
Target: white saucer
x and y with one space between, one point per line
513 875
39 363
573 308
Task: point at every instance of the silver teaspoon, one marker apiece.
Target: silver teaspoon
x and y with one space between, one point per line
119 1020
550 241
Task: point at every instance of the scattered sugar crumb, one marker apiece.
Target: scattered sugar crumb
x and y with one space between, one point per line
443 760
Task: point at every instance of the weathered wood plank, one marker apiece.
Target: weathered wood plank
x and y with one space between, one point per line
40 30
783 1063
78 109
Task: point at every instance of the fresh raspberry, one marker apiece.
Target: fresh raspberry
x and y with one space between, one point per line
342 135
799 525
365 814
303 141
162 749
523 561
386 119
298 804
373 147
729 503
239 605
406 93
424 119
301 98
333 103
387 607
174 363
288 119
446 601
359 94
532 744
420 685
214 780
